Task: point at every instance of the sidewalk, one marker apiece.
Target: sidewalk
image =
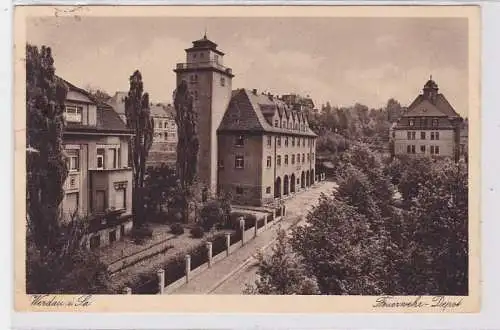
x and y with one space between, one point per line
214 276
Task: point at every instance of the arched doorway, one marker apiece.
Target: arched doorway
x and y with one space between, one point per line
312 177
286 183
277 188
302 180
292 183
307 178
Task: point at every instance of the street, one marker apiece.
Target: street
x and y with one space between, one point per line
232 274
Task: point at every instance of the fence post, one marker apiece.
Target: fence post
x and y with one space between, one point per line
242 227
209 252
188 266
283 210
161 280
127 290
265 221
256 222
228 243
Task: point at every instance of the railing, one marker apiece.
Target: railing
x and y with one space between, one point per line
208 64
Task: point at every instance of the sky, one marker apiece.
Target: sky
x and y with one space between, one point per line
340 60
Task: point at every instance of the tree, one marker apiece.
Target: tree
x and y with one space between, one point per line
139 120
99 95
162 186
282 272
211 214
187 146
338 248
46 167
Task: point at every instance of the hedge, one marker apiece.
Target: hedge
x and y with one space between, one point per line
218 244
270 218
175 269
260 223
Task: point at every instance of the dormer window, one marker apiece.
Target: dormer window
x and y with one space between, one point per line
73 114
412 122
434 123
276 123
240 141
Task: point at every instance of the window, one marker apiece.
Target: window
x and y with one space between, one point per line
239 162
239 141
73 161
303 158
221 163
120 198
276 123
269 161
408 135
216 58
434 123
312 157
298 158
293 159
165 125
293 141
223 81
268 190
195 95
278 160
286 141
436 135
422 135
432 136
434 150
412 122
239 190
423 122
412 149
114 156
408 149
411 135
283 124
286 160
73 114
268 141
278 141
100 158
303 142
422 149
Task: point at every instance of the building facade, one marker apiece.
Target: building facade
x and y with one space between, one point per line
164 146
96 143
430 126
256 146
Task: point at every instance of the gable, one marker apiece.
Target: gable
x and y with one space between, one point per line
240 114
424 109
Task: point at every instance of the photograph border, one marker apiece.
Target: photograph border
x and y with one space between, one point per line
253 303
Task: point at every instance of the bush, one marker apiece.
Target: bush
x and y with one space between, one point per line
175 269
218 244
197 232
139 235
177 229
199 256
211 214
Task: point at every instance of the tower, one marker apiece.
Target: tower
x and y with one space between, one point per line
430 89
209 81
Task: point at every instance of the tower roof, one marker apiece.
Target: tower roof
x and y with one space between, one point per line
431 84
204 44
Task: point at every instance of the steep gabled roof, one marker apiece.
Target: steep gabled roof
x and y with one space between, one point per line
244 113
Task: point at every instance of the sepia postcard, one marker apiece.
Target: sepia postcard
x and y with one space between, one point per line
247 159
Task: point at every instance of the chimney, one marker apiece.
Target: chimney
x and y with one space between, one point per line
254 91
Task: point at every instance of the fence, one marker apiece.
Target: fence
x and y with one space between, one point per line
182 267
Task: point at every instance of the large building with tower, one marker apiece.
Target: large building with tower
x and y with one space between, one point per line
256 146
430 126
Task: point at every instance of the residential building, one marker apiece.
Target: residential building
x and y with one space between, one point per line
96 143
164 145
430 126
255 146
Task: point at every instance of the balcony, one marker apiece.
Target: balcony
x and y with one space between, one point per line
203 65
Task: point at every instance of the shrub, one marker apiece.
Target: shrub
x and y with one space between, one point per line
199 255
211 214
177 229
175 269
197 232
140 234
218 244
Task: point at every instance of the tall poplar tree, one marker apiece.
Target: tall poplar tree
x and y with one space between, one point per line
140 122
45 160
188 144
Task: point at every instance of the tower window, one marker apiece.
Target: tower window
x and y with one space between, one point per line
276 123
286 141
239 162
286 160
268 141
240 141
278 160
293 159
222 81
269 162
278 141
